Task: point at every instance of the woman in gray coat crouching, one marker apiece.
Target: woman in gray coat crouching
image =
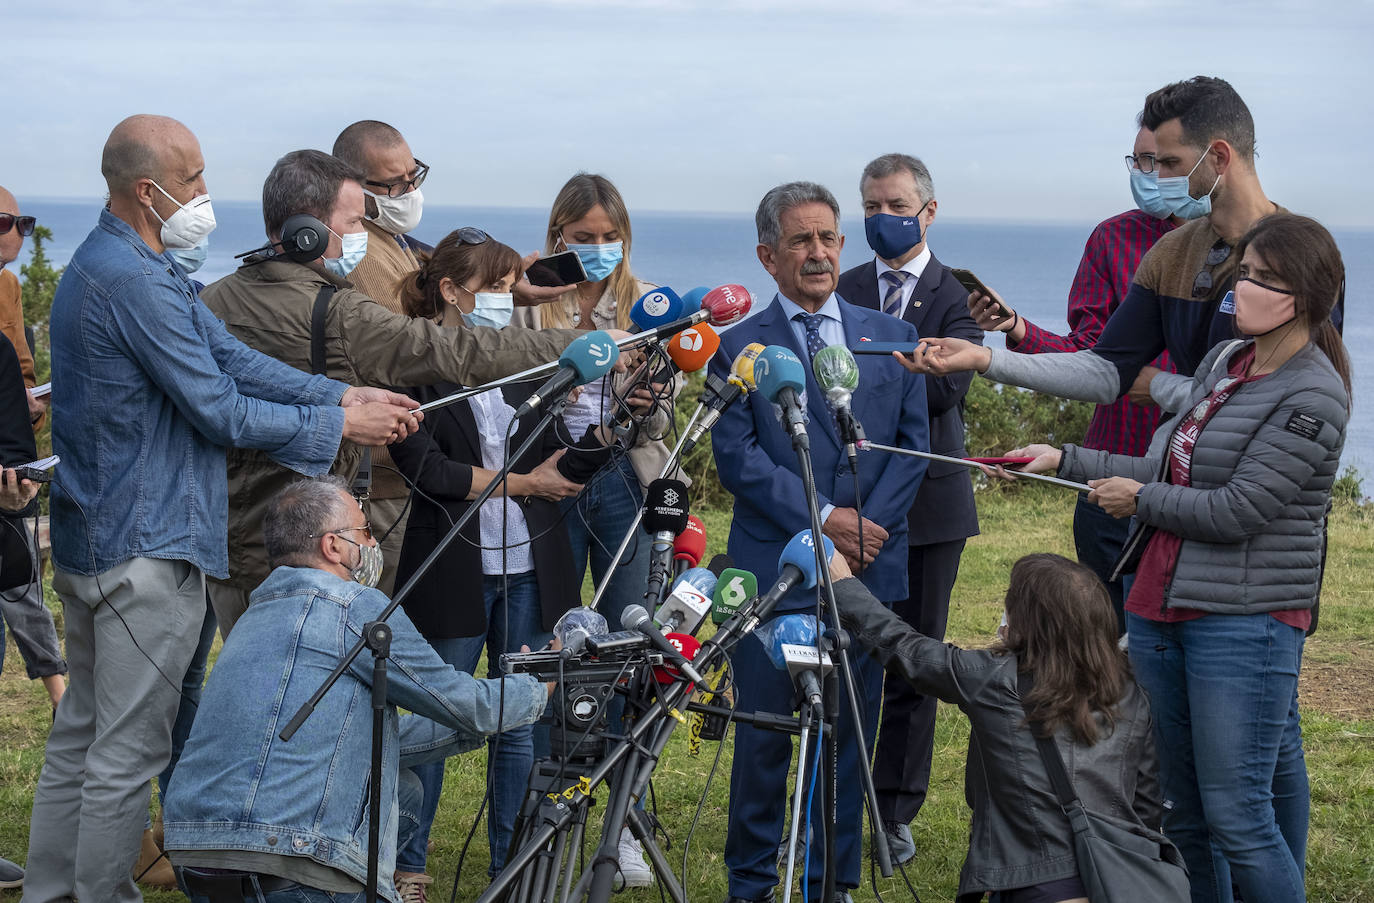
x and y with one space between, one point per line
1230 506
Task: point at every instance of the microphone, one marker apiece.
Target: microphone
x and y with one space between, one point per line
689 603
691 302
575 626
742 367
837 375
734 588
791 644
781 379
636 617
689 545
719 394
721 306
665 516
588 357
796 570
655 308
692 348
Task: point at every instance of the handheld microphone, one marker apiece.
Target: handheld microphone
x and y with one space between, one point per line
837 375
636 617
692 348
781 379
719 394
721 306
691 302
791 644
589 356
575 626
796 570
742 367
665 516
689 603
689 545
655 308
734 588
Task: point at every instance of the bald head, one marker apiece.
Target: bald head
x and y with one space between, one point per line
144 147
11 241
356 142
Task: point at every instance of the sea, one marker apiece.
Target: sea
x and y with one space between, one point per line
1031 265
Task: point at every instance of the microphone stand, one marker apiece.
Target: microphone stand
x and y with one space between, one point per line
377 637
801 444
865 445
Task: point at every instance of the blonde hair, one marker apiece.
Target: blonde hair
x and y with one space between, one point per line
575 200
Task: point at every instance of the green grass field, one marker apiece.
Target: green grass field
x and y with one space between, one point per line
1338 700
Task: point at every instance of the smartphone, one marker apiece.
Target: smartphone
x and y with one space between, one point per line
1004 460
883 348
557 269
41 391
973 284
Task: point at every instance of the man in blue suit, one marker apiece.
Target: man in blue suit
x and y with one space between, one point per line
799 245
906 281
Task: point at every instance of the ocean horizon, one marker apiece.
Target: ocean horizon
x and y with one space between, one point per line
1030 265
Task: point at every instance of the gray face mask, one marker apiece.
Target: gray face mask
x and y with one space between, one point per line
368 570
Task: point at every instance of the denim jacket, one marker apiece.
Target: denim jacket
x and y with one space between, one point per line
148 390
240 787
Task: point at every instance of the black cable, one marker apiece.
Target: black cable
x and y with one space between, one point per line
710 775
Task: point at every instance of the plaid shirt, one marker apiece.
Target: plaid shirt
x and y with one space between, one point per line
1104 275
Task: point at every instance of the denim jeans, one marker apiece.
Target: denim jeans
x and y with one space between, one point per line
1097 540
597 521
1223 693
511 753
191 686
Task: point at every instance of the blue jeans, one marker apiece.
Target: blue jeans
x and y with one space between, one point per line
191 685
597 521
1097 540
511 754
1223 692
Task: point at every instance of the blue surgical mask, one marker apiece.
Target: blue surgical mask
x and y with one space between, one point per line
492 309
1174 192
354 250
1145 190
892 236
599 260
190 259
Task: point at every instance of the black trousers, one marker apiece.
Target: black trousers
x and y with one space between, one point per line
906 735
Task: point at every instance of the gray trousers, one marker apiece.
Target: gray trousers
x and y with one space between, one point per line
113 731
31 623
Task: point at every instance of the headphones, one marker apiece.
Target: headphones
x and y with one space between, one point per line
303 239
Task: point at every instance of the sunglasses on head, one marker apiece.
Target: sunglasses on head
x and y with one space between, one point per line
469 235
25 224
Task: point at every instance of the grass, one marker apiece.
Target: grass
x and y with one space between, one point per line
1338 718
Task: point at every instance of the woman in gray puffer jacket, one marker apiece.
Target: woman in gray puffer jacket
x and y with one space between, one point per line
1230 506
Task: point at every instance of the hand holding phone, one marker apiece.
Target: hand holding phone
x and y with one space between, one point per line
989 310
556 270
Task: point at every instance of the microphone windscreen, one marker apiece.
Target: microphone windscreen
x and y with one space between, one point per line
665 507
700 579
691 302
631 616
800 552
690 544
591 355
793 629
656 307
726 304
692 348
719 563
742 368
835 367
776 369
579 622
734 588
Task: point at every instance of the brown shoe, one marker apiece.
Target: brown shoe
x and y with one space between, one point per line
153 868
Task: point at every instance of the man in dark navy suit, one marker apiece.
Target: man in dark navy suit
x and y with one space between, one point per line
905 281
799 245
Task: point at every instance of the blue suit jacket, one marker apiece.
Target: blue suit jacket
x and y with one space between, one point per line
756 463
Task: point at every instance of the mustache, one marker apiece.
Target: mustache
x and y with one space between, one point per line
812 267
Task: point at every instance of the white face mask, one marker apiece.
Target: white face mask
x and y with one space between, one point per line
192 222
354 249
397 215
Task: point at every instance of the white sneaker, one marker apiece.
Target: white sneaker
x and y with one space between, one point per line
632 865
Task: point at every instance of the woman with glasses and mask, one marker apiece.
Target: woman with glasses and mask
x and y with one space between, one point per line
517 542
1230 506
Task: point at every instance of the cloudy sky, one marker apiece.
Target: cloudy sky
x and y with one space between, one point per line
1021 108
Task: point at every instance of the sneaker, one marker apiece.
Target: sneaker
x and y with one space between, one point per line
411 887
633 868
11 875
900 846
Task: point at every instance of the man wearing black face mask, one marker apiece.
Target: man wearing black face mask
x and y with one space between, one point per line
906 281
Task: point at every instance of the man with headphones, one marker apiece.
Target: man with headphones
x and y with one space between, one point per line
148 390
293 300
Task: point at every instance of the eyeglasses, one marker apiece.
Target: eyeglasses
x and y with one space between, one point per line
396 189
1142 162
1202 284
366 528
25 224
469 235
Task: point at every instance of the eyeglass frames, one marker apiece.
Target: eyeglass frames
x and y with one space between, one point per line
1142 162
398 188
366 528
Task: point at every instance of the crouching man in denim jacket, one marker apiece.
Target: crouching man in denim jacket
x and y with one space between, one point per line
288 820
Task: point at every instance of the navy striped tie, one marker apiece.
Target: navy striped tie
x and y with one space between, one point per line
892 301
